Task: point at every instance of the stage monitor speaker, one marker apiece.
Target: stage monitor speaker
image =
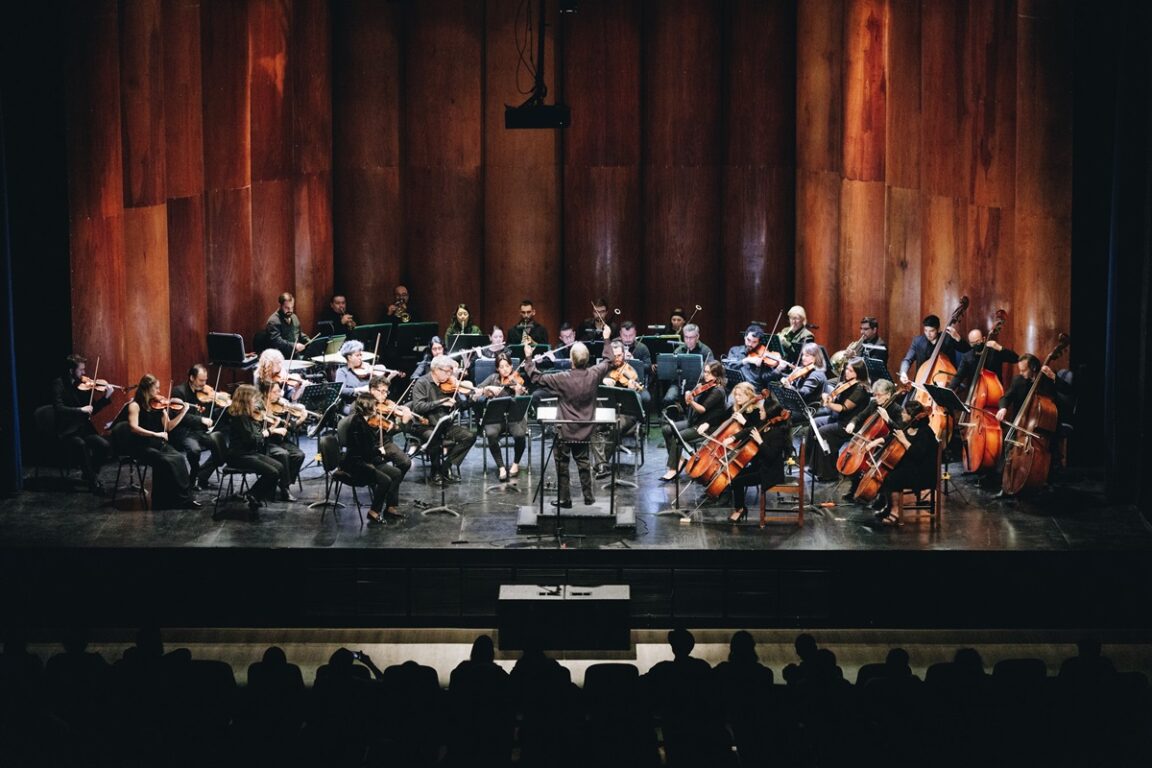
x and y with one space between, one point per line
564 617
540 116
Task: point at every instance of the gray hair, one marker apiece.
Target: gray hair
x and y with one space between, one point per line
691 328
883 386
443 363
351 347
579 355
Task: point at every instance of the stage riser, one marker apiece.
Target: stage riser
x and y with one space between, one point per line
435 588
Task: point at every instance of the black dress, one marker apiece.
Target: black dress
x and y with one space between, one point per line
366 464
170 478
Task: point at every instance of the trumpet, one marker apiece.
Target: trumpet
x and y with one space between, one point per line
400 311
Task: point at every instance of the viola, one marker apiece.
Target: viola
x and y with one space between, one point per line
209 396
1028 456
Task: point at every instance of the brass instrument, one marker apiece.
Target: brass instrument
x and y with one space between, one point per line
400 311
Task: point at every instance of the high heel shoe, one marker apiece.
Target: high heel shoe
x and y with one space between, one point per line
738 515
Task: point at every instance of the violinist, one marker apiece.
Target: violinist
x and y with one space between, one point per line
809 376
354 376
528 325
337 315
840 405
994 361
923 345
461 322
431 401
435 349
283 327
505 382
621 374
576 400
766 469
364 459
917 468
151 419
400 416
74 400
271 366
190 436
248 427
691 346
276 442
748 359
706 406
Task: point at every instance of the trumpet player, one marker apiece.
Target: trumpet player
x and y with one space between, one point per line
400 310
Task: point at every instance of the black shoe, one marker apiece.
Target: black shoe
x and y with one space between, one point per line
440 480
562 503
286 495
589 500
253 502
96 488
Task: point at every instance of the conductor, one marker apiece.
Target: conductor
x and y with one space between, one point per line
576 398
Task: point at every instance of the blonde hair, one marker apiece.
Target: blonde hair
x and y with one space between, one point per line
798 311
270 365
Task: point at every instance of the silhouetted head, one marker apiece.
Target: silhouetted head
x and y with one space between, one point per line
341 658
806 647
275 655
897 661
968 660
483 650
742 648
682 642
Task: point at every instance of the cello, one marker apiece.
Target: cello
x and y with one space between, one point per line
890 455
851 459
983 438
706 461
734 458
1029 453
938 370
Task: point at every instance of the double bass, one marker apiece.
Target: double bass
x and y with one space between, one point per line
982 435
1028 455
938 370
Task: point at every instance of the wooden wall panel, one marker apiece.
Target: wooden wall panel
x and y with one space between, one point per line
991 53
819 106
681 163
1043 284
146 317
947 145
989 262
188 283
817 245
273 247
601 189
758 212
863 265
183 99
312 241
142 94
521 240
311 78
865 88
368 205
899 307
270 61
227 87
443 147
98 294
942 281
235 303
903 132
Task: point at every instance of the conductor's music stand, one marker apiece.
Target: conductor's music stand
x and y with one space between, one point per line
436 436
946 399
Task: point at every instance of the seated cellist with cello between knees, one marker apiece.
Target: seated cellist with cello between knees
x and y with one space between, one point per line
768 424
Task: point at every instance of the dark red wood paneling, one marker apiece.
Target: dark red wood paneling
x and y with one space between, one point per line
142 94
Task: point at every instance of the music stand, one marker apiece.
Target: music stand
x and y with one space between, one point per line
438 432
677 367
877 368
321 398
227 350
661 345
366 335
688 452
496 412
790 399
626 402
946 399
409 343
462 341
517 350
875 352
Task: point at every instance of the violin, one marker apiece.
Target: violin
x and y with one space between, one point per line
702 388
457 387
98 385
159 403
624 376
365 371
379 418
209 396
298 413
799 374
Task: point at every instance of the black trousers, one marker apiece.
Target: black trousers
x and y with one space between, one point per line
565 451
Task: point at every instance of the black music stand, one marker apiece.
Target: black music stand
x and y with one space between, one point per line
410 341
679 367
875 352
661 345
792 402
438 432
946 399
366 335
496 412
462 341
625 402
517 350
877 368
322 398
687 453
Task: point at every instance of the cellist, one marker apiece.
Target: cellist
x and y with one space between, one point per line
917 468
886 409
706 407
767 467
840 405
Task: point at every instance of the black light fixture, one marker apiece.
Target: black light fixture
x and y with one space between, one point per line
534 113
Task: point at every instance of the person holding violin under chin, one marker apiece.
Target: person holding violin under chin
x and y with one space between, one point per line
620 374
276 442
248 426
706 406
437 395
505 382
354 377
75 397
398 418
151 419
809 375
364 458
840 406
190 436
